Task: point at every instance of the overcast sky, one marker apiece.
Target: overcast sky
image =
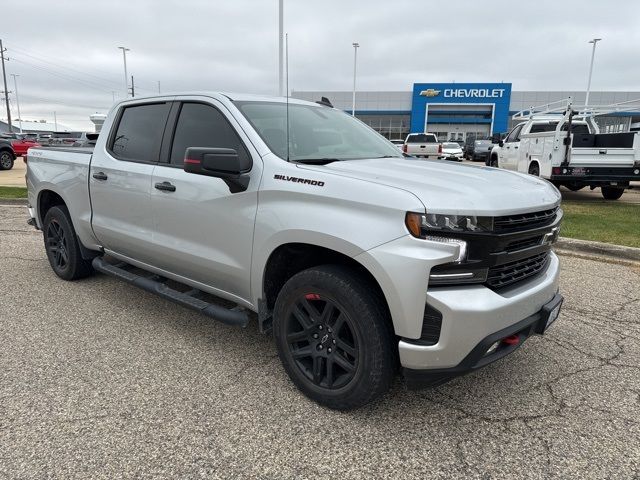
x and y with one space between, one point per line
67 58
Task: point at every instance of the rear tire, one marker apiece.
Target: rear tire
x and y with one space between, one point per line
6 160
611 193
534 170
61 245
334 337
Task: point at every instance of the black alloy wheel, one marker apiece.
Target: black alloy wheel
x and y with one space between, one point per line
62 247
322 341
57 245
335 337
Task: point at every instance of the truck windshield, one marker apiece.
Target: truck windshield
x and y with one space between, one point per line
316 134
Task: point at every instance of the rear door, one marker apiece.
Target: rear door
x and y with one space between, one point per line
202 229
120 180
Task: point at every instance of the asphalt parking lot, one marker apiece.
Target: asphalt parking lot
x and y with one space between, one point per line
101 380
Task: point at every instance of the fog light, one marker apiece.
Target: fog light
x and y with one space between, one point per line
492 348
636 171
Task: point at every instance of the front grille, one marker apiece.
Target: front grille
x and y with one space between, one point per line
525 243
512 272
523 221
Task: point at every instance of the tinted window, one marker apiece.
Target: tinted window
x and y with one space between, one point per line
421 138
203 126
139 132
514 136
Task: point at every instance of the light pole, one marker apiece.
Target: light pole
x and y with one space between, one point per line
15 84
593 54
355 60
126 75
280 46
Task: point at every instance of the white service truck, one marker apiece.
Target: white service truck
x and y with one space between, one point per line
569 150
358 259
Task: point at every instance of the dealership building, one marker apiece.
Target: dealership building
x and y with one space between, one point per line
454 111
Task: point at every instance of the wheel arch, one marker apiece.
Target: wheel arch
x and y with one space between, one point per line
287 259
533 162
10 150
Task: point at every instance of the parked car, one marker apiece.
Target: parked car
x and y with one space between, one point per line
452 151
64 138
21 146
478 149
399 143
86 139
576 157
7 154
354 257
422 145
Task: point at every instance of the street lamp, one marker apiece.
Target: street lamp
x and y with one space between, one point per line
280 47
15 83
593 54
355 58
126 76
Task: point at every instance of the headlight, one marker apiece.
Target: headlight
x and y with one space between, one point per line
419 223
419 226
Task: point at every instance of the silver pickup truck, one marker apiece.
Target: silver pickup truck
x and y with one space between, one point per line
424 145
357 259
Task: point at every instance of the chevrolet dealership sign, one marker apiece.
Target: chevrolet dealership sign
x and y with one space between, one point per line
432 104
465 92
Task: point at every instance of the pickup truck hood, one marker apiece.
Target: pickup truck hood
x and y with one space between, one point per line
445 187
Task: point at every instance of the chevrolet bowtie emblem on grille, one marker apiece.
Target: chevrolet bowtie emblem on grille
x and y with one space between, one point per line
550 237
430 92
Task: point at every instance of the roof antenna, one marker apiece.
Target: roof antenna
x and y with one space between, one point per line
286 56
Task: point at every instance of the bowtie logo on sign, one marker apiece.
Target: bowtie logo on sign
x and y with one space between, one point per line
430 92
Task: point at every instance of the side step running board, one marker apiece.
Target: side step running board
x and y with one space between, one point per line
151 284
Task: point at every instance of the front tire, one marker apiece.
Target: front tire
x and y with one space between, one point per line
61 245
611 193
6 160
334 337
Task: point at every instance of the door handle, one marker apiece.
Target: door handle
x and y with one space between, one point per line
100 176
516 147
165 187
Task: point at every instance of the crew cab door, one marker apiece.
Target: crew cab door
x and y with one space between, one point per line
120 180
508 156
202 229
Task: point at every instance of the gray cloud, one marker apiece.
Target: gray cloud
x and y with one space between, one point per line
67 58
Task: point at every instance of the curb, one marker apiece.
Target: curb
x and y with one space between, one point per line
598 251
13 201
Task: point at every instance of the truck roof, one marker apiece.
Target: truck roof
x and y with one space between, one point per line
241 97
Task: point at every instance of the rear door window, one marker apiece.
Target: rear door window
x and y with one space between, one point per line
421 138
139 134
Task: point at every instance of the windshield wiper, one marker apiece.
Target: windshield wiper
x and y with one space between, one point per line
316 161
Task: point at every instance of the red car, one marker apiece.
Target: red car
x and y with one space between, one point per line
21 146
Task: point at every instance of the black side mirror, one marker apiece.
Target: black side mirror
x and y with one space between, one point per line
224 163
501 143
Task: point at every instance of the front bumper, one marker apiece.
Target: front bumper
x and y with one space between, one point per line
516 334
470 314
